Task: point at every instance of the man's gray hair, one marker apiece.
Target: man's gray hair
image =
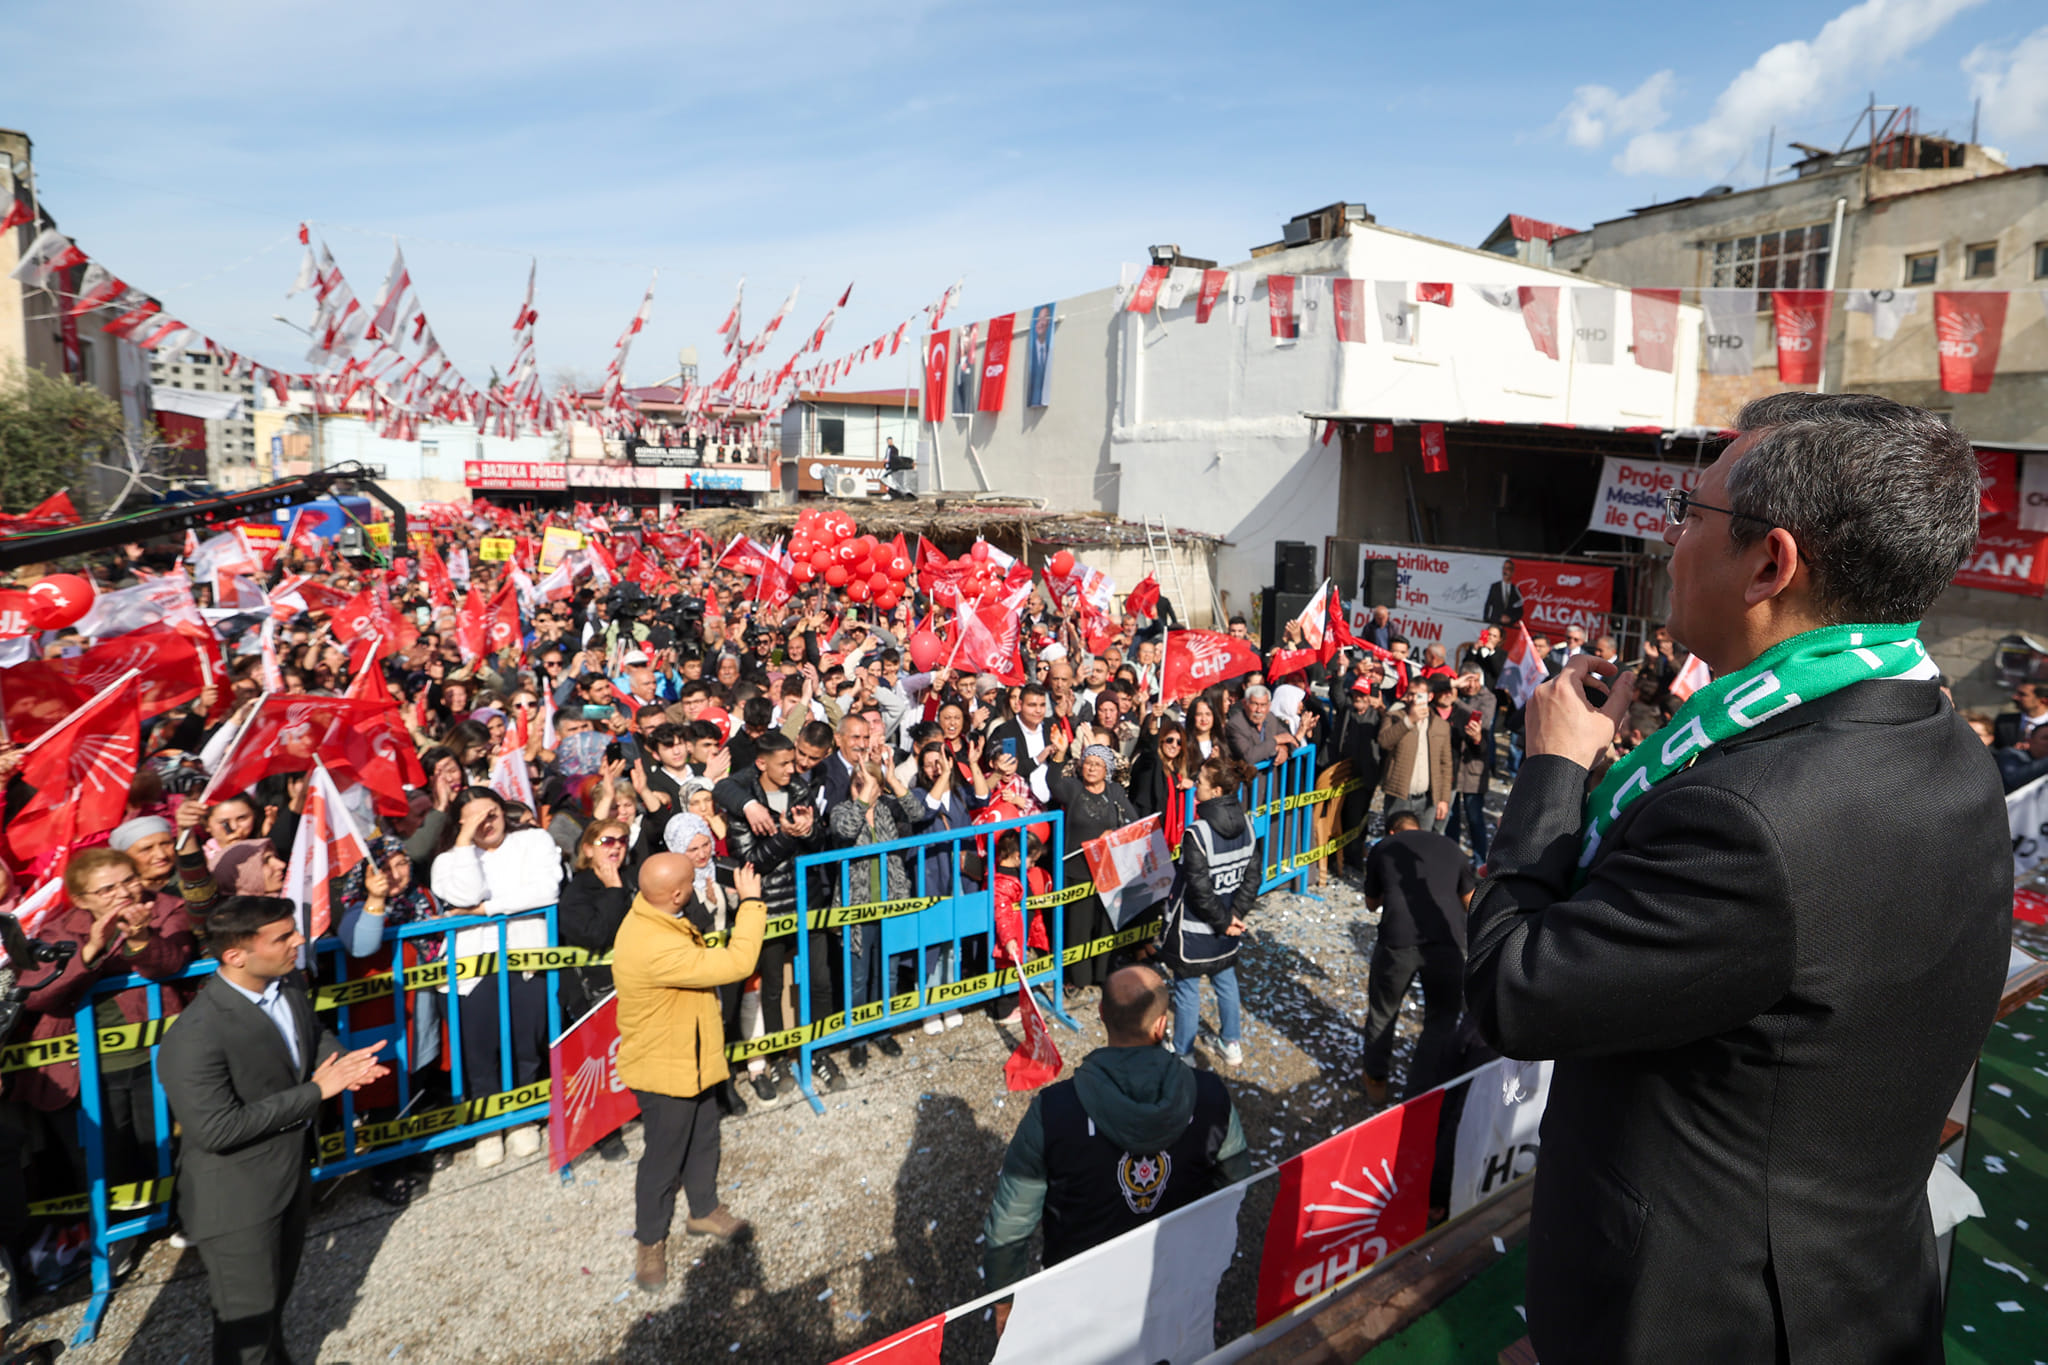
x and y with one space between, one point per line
1257 693
1881 499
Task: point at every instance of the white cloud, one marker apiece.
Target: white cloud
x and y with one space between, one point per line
1600 112
1789 82
2013 84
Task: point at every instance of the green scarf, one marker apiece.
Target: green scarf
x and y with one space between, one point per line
1801 669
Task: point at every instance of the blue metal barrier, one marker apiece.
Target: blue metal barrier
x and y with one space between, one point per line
957 916
332 960
1281 807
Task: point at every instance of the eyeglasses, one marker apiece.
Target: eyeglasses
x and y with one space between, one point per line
1681 504
522 706
131 886
610 841
1170 742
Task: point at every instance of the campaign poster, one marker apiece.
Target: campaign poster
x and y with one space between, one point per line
1630 499
1436 587
1041 356
2008 557
966 370
1132 868
492 550
557 543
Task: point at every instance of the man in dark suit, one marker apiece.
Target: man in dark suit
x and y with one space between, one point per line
1760 1004
1504 600
246 1069
1029 731
2013 728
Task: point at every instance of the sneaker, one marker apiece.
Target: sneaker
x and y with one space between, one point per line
887 1045
954 1019
1016 1013
489 1151
934 1025
857 1056
1187 1059
764 1088
523 1141
1233 1054
825 1076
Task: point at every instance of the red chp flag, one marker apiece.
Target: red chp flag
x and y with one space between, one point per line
995 364
1801 318
1146 295
1214 282
359 740
35 697
1144 599
984 640
1199 659
81 770
472 626
1426 292
1967 328
1656 327
936 348
1539 315
1346 1203
746 555
591 1101
1436 458
501 629
1280 316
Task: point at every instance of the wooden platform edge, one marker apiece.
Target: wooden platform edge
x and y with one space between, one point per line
1421 1275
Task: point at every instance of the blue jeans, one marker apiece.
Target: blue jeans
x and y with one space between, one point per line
1468 810
1187 1009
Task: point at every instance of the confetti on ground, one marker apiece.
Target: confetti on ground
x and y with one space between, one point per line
2008 1269
2010 1306
1998 1089
1500 1246
1995 1165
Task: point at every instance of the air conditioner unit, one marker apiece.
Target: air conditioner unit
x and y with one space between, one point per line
845 483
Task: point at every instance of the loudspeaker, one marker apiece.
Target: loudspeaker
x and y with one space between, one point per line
1279 608
1379 583
1294 566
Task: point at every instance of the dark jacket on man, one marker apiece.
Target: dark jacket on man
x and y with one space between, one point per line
1013 729
773 855
1061 1166
1503 605
1762 1009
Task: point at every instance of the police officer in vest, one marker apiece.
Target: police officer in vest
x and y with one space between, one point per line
1215 886
1132 1137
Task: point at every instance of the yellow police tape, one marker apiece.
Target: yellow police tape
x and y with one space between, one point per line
123 1198
64 1048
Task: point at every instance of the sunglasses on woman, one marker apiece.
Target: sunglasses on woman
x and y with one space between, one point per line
610 841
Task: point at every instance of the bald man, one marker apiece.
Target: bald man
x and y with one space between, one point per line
1132 1137
672 1049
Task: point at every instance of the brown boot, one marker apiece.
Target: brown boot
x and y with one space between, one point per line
718 1223
1375 1090
650 1266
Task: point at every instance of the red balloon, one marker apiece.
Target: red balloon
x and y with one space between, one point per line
836 575
821 560
926 649
899 567
867 546
979 554
1063 563
803 572
857 590
887 600
878 583
59 600
847 553
864 567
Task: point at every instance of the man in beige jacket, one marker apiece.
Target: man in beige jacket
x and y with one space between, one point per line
672 1049
1415 760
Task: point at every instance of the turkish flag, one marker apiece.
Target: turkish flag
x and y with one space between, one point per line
1280 307
471 627
1199 659
995 364
1036 1060
1801 319
591 1102
1656 327
1214 282
38 695
1347 300
81 770
1147 293
936 368
1968 326
1346 1203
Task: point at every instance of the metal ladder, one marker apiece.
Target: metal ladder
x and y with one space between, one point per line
1160 558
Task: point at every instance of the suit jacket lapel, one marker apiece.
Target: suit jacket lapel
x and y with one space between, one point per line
251 1018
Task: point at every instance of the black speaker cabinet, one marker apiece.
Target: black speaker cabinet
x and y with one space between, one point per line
1294 566
1281 607
1380 583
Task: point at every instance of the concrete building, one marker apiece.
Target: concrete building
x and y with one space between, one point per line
1901 211
1216 427
230 441
835 443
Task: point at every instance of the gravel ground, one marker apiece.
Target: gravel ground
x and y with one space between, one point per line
867 1219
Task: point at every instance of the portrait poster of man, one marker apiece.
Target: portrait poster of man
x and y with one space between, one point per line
1041 356
966 370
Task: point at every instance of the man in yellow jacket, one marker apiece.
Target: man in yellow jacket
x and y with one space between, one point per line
672 1049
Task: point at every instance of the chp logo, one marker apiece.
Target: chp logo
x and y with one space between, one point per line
1797 327
104 763
1206 657
1956 331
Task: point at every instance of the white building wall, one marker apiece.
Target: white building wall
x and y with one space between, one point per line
1206 425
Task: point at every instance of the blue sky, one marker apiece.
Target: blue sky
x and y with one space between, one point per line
1027 147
